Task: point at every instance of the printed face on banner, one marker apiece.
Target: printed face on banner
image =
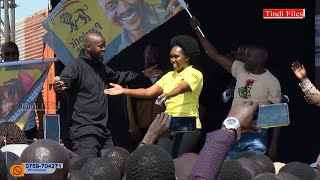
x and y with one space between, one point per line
136 17
10 94
121 22
15 84
126 14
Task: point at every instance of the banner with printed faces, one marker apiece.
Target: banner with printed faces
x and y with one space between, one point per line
120 22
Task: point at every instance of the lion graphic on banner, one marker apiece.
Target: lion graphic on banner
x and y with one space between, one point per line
73 18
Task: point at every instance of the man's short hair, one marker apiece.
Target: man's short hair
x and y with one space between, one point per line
244 154
9 44
233 170
287 176
101 168
300 170
79 175
265 163
47 150
152 46
77 163
118 156
251 165
266 176
150 162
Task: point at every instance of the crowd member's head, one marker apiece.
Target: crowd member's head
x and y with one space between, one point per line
233 170
298 169
3 166
184 50
256 58
251 165
79 175
266 176
101 168
118 156
265 163
11 92
9 51
13 134
76 163
150 162
241 54
244 154
94 46
46 150
151 55
183 165
287 176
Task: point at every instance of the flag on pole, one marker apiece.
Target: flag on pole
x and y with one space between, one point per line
120 22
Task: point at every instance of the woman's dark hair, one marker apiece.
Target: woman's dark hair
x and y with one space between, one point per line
188 44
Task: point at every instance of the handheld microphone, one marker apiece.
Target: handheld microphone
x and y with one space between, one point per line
57 78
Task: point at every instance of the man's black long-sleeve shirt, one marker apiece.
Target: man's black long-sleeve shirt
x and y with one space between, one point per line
87 80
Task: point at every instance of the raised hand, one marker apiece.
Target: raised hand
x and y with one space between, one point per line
115 90
194 23
299 70
245 112
312 98
152 72
159 126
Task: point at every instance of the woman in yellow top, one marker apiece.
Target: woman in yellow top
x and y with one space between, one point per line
180 89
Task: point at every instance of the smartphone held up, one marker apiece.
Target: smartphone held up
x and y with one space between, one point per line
273 115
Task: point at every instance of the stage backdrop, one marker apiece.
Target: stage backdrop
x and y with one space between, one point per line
120 22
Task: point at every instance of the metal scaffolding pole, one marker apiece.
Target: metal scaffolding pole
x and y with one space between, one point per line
13 21
6 20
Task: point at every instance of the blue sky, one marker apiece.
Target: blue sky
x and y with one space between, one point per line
29 7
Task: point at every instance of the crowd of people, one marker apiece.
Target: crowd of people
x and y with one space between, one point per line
238 150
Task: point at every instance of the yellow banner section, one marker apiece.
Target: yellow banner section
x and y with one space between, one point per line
75 18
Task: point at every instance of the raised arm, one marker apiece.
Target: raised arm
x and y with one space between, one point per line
153 91
312 94
212 52
219 142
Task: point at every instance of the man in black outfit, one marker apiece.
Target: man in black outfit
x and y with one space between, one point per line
86 77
